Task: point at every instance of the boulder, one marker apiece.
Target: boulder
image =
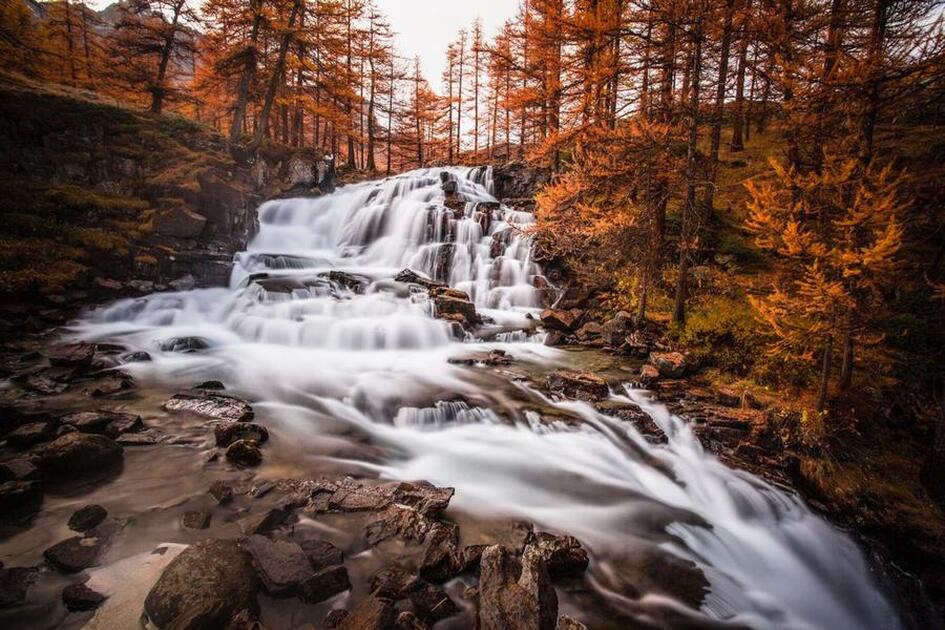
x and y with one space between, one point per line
515 594
204 587
560 320
110 423
75 554
228 432
212 405
445 306
412 277
669 364
324 583
79 597
649 374
20 469
563 555
77 454
582 386
195 519
72 355
372 613
321 553
244 453
282 566
614 331
184 344
15 582
179 222
18 498
30 434
87 517
589 331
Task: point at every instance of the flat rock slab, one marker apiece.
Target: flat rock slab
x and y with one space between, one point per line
204 587
281 565
74 554
211 404
77 454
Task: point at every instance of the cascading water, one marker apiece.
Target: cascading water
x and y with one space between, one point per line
315 328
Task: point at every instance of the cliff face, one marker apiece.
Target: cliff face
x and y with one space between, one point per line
101 199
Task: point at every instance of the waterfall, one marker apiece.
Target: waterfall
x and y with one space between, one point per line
313 326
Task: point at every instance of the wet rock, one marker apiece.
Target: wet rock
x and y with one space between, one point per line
244 453
441 559
412 277
490 358
110 423
653 570
75 554
554 338
20 469
321 553
19 497
350 281
139 356
230 432
30 434
406 524
449 187
324 583
221 492
73 355
204 587
184 344
407 620
147 437
500 240
211 405
281 565
443 262
184 283
563 555
79 597
216 386
669 364
179 222
515 594
334 618
195 519
263 522
77 454
15 583
566 622
581 386
449 292
560 320
372 614
445 306
87 517
431 603
589 331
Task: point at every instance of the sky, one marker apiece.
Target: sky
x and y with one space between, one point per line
426 27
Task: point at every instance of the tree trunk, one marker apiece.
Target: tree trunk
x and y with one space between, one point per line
824 375
846 367
738 111
713 165
689 206
246 79
276 76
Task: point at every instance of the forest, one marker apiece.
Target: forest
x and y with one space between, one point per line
737 206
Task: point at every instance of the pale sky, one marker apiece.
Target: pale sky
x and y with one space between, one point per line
426 27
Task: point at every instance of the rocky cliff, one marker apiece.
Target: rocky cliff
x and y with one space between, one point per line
101 200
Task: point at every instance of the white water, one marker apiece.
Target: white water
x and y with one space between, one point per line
319 356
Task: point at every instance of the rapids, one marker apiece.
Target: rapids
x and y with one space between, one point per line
327 364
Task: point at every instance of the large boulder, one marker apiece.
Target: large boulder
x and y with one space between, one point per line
515 593
579 385
204 587
447 307
77 454
281 565
560 320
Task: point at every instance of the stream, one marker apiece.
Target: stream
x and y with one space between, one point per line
351 373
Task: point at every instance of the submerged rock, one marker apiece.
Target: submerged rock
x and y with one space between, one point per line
79 597
77 454
15 583
582 386
204 587
184 344
212 405
195 519
244 453
227 433
87 517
